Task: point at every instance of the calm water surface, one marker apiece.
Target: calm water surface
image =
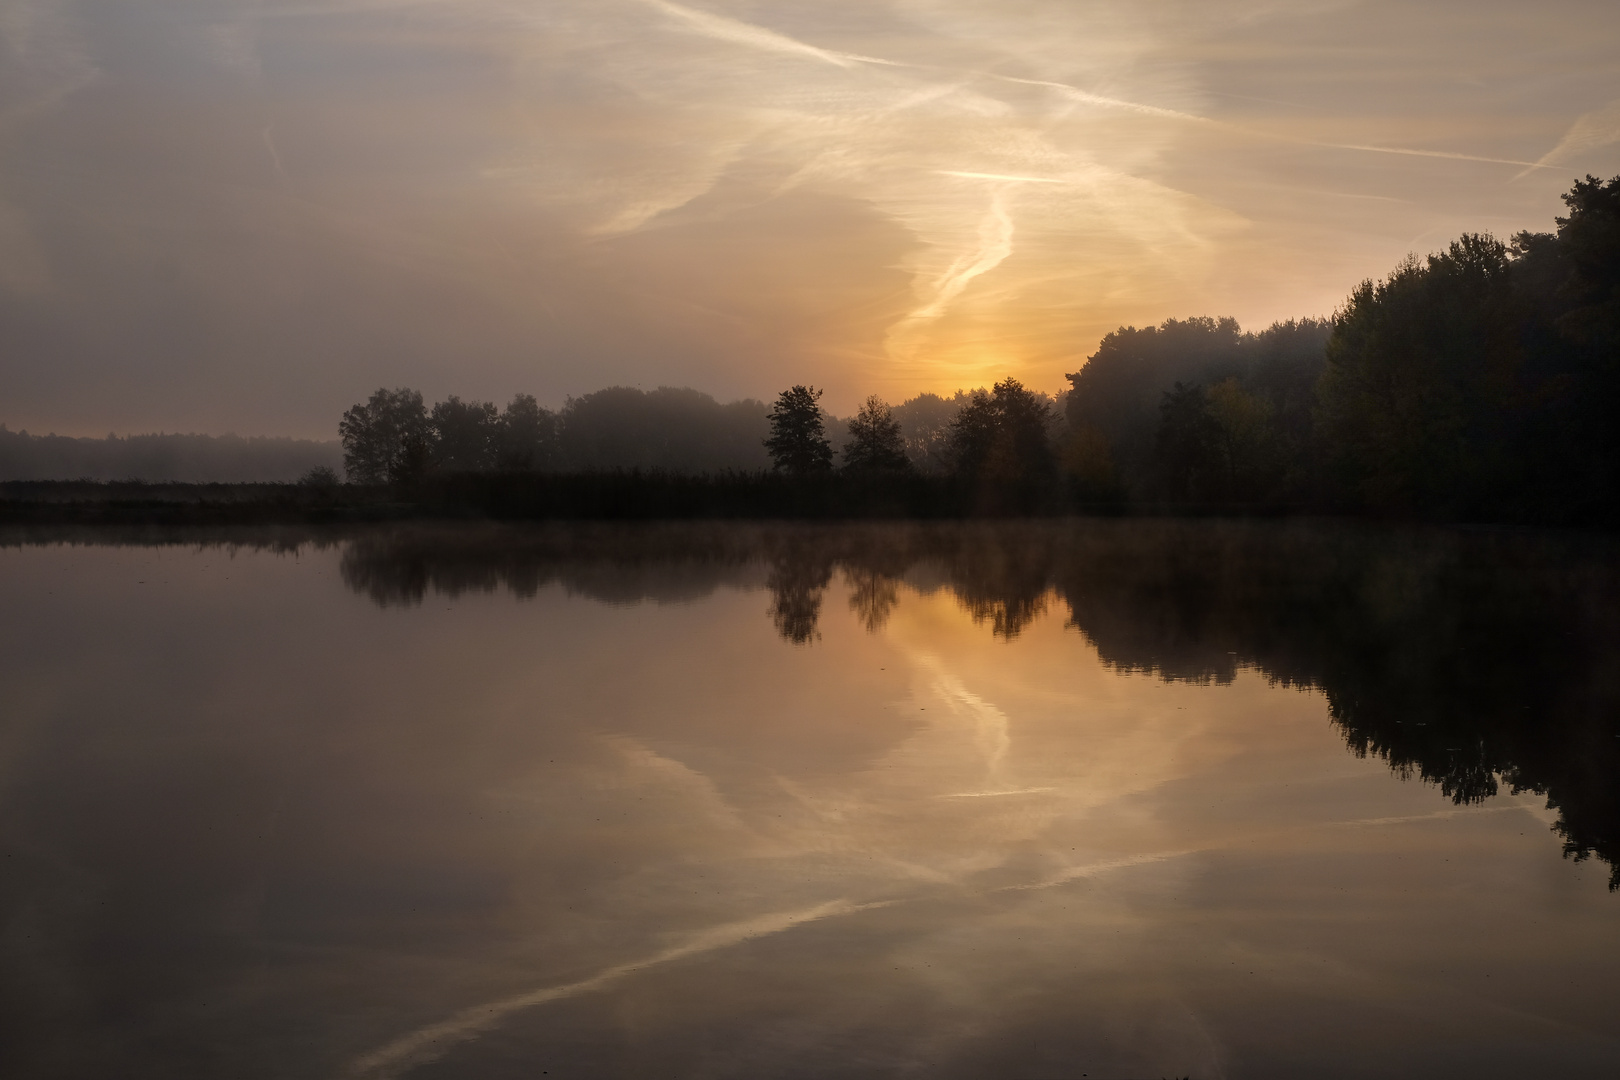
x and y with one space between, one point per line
1108 800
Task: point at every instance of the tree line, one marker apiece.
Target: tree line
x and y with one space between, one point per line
396 437
194 459
1477 383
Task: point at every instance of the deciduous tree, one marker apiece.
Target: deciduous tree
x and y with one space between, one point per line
464 435
1002 434
798 440
386 437
875 444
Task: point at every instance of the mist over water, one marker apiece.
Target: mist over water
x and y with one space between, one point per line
1107 799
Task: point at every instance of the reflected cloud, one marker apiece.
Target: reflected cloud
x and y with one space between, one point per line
430 1043
460 799
1182 602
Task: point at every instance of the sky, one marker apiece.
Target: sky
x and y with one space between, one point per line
242 216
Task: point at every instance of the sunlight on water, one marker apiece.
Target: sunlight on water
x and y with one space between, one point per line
378 812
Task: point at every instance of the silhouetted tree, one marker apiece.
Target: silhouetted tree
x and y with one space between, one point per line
1117 392
1590 238
874 443
1418 401
527 435
464 435
1002 434
798 440
1570 282
386 438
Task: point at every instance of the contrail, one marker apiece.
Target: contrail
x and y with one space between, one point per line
433 1041
1075 873
758 37
1088 98
995 244
1589 132
1410 153
1433 815
750 35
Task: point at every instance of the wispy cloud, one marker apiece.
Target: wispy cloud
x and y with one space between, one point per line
887 197
995 244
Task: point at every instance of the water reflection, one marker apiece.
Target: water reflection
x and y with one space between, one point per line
1036 800
1476 661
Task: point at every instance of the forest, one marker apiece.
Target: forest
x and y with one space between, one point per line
1477 383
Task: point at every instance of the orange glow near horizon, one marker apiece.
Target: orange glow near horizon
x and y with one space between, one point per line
891 197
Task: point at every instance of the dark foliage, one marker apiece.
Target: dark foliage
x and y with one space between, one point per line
798 441
385 438
1189 438
1249 443
1002 435
1477 384
527 436
392 438
466 435
875 441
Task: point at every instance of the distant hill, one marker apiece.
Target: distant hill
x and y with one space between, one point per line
185 458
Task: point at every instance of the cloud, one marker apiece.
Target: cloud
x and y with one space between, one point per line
883 196
1591 131
995 244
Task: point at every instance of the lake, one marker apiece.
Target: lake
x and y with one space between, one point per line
1106 799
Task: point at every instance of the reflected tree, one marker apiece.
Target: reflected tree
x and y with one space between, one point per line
1478 662
873 596
798 583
